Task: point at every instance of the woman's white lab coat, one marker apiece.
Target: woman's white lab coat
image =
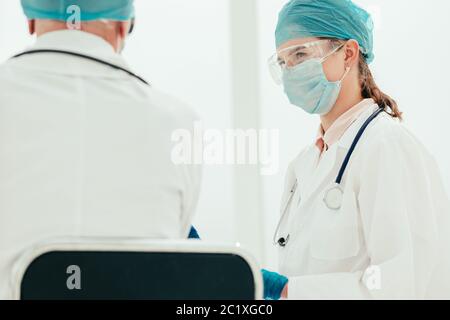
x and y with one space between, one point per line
389 240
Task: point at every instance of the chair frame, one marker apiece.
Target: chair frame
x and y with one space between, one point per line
129 245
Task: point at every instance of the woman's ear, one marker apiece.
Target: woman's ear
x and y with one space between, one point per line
351 50
31 26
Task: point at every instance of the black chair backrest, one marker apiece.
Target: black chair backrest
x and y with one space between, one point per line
105 275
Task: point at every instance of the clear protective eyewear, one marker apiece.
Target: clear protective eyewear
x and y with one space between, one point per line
291 57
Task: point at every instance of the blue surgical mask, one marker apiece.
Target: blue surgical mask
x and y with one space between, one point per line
307 87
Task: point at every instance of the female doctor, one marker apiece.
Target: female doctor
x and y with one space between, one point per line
364 214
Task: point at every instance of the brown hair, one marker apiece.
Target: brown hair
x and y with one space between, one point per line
369 88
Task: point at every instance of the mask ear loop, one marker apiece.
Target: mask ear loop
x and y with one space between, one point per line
347 70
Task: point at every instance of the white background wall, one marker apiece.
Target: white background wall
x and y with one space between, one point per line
190 49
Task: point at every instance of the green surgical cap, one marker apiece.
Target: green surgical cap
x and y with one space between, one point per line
120 10
339 19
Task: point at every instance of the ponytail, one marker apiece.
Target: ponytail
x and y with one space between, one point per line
371 90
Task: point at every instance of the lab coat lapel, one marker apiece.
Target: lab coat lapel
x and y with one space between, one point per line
314 175
321 173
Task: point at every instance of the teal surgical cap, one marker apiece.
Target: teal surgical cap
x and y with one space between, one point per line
89 10
339 19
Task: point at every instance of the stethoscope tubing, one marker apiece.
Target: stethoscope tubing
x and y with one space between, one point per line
354 144
283 241
83 56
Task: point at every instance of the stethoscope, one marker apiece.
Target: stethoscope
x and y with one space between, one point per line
334 196
83 56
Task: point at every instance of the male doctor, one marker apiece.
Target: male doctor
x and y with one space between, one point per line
85 147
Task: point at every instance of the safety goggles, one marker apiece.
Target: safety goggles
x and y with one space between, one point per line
293 56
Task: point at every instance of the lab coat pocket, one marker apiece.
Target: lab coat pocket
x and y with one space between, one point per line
335 233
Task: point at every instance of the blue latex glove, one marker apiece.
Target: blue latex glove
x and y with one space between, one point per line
274 284
193 234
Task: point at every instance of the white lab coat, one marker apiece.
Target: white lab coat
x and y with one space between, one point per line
85 151
389 240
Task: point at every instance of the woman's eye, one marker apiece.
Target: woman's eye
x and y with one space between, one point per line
297 58
300 55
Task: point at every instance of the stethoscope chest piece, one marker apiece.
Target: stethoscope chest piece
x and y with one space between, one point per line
333 198
282 242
